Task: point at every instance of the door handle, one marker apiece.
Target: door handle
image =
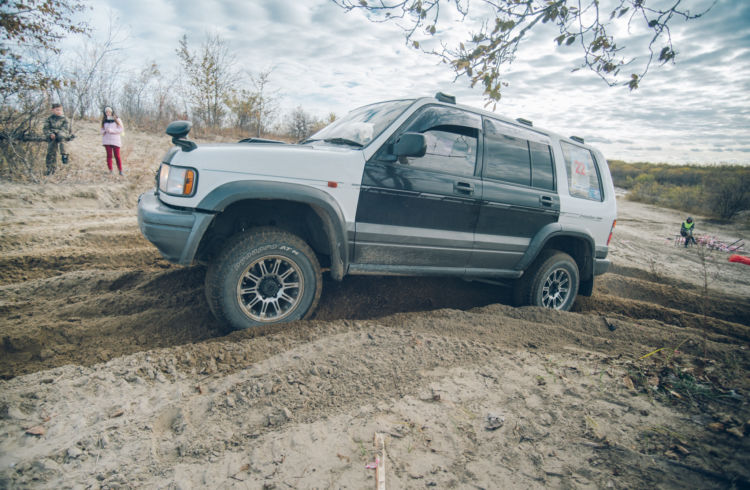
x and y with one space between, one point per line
545 201
463 187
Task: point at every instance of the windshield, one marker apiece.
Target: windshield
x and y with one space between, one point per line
362 125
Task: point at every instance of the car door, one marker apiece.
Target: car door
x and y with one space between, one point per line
518 194
420 212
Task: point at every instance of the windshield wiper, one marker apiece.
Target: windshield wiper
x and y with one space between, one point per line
308 140
343 141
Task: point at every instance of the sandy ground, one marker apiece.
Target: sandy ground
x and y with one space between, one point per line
116 376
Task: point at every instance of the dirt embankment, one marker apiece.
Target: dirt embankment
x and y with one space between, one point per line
116 375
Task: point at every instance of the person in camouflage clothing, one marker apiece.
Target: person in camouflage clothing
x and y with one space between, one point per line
57 130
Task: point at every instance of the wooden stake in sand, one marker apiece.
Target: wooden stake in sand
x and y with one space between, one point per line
379 443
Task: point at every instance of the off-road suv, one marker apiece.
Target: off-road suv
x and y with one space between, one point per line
404 187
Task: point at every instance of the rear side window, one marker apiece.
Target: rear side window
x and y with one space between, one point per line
516 159
506 157
583 175
542 171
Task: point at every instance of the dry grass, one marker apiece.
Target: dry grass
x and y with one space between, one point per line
141 152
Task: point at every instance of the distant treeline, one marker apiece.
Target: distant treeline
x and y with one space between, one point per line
721 191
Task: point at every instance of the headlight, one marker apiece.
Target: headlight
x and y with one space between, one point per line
177 181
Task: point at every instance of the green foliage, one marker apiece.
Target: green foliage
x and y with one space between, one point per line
718 191
729 191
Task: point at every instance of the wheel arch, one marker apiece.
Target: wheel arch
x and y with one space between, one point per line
577 243
303 210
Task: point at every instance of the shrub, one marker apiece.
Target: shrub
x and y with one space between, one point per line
718 191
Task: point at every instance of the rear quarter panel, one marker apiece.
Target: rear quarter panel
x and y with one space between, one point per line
593 217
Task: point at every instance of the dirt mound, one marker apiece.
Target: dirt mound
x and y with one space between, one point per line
116 375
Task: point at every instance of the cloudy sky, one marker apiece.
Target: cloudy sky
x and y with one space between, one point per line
327 60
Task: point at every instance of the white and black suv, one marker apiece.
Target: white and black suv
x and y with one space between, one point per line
404 187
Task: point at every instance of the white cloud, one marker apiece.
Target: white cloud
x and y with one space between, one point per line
326 60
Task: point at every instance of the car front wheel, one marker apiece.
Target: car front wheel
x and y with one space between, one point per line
263 276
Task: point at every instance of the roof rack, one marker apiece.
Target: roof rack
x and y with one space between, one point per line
525 121
578 139
449 99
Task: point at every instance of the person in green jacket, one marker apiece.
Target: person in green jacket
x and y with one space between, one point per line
56 129
686 230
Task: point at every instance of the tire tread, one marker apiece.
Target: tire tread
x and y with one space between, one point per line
237 246
523 292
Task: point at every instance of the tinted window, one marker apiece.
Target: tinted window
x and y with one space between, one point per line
583 176
542 173
506 157
451 136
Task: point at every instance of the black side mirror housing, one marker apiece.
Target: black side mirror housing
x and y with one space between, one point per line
179 130
410 145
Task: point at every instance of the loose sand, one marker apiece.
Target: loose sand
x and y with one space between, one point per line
116 375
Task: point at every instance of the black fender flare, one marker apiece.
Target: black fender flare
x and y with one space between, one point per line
321 203
555 230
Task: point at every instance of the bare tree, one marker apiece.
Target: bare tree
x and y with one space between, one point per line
590 24
266 102
29 34
244 106
134 99
299 124
163 100
211 78
28 26
20 115
92 72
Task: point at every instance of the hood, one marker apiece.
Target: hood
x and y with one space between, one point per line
324 162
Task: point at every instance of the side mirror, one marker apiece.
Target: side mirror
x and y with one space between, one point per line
179 130
410 145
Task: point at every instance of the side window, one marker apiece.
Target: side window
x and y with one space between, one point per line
542 170
583 175
506 157
451 136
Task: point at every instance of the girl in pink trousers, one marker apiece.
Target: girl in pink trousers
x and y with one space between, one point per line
111 130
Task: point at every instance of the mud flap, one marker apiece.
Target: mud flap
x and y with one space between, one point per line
585 288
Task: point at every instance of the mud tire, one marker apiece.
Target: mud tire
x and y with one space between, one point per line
551 282
263 265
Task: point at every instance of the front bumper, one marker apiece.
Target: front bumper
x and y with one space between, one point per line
175 232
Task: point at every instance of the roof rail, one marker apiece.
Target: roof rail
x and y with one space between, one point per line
525 121
449 99
578 139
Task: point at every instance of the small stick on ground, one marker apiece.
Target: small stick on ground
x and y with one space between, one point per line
379 443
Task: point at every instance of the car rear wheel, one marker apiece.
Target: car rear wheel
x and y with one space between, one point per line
551 282
263 276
